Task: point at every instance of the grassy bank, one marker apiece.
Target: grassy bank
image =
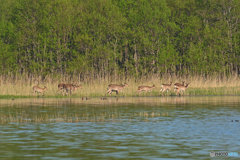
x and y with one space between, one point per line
22 87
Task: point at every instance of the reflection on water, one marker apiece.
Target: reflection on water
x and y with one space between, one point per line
119 128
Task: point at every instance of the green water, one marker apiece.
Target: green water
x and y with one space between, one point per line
119 128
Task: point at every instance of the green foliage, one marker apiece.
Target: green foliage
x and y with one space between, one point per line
126 37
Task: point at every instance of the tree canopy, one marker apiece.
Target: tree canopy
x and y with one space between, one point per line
103 38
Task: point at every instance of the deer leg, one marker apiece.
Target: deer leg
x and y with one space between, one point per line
179 92
174 89
139 92
160 90
107 92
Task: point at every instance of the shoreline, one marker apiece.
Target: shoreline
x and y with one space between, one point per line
13 97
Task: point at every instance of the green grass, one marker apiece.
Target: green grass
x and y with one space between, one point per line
214 91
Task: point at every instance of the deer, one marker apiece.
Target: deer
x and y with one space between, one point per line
69 87
37 89
116 88
165 87
145 88
177 84
182 88
60 86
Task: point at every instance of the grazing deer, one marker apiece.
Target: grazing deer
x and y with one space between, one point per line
69 87
60 86
38 89
178 84
145 88
116 88
182 88
165 87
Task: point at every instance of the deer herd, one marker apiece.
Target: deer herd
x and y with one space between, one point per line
67 87
165 87
118 88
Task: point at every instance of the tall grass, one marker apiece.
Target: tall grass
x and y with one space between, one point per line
22 86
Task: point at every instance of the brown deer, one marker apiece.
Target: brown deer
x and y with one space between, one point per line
116 88
165 87
182 88
69 87
145 88
177 84
37 89
60 86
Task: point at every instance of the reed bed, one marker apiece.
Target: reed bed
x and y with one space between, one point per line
22 86
22 117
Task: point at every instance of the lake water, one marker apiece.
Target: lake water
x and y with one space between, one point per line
119 128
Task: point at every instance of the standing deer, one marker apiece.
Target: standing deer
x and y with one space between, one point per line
145 88
165 87
116 88
182 88
177 84
69 87
38 89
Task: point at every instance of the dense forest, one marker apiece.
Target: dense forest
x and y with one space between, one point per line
109 38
